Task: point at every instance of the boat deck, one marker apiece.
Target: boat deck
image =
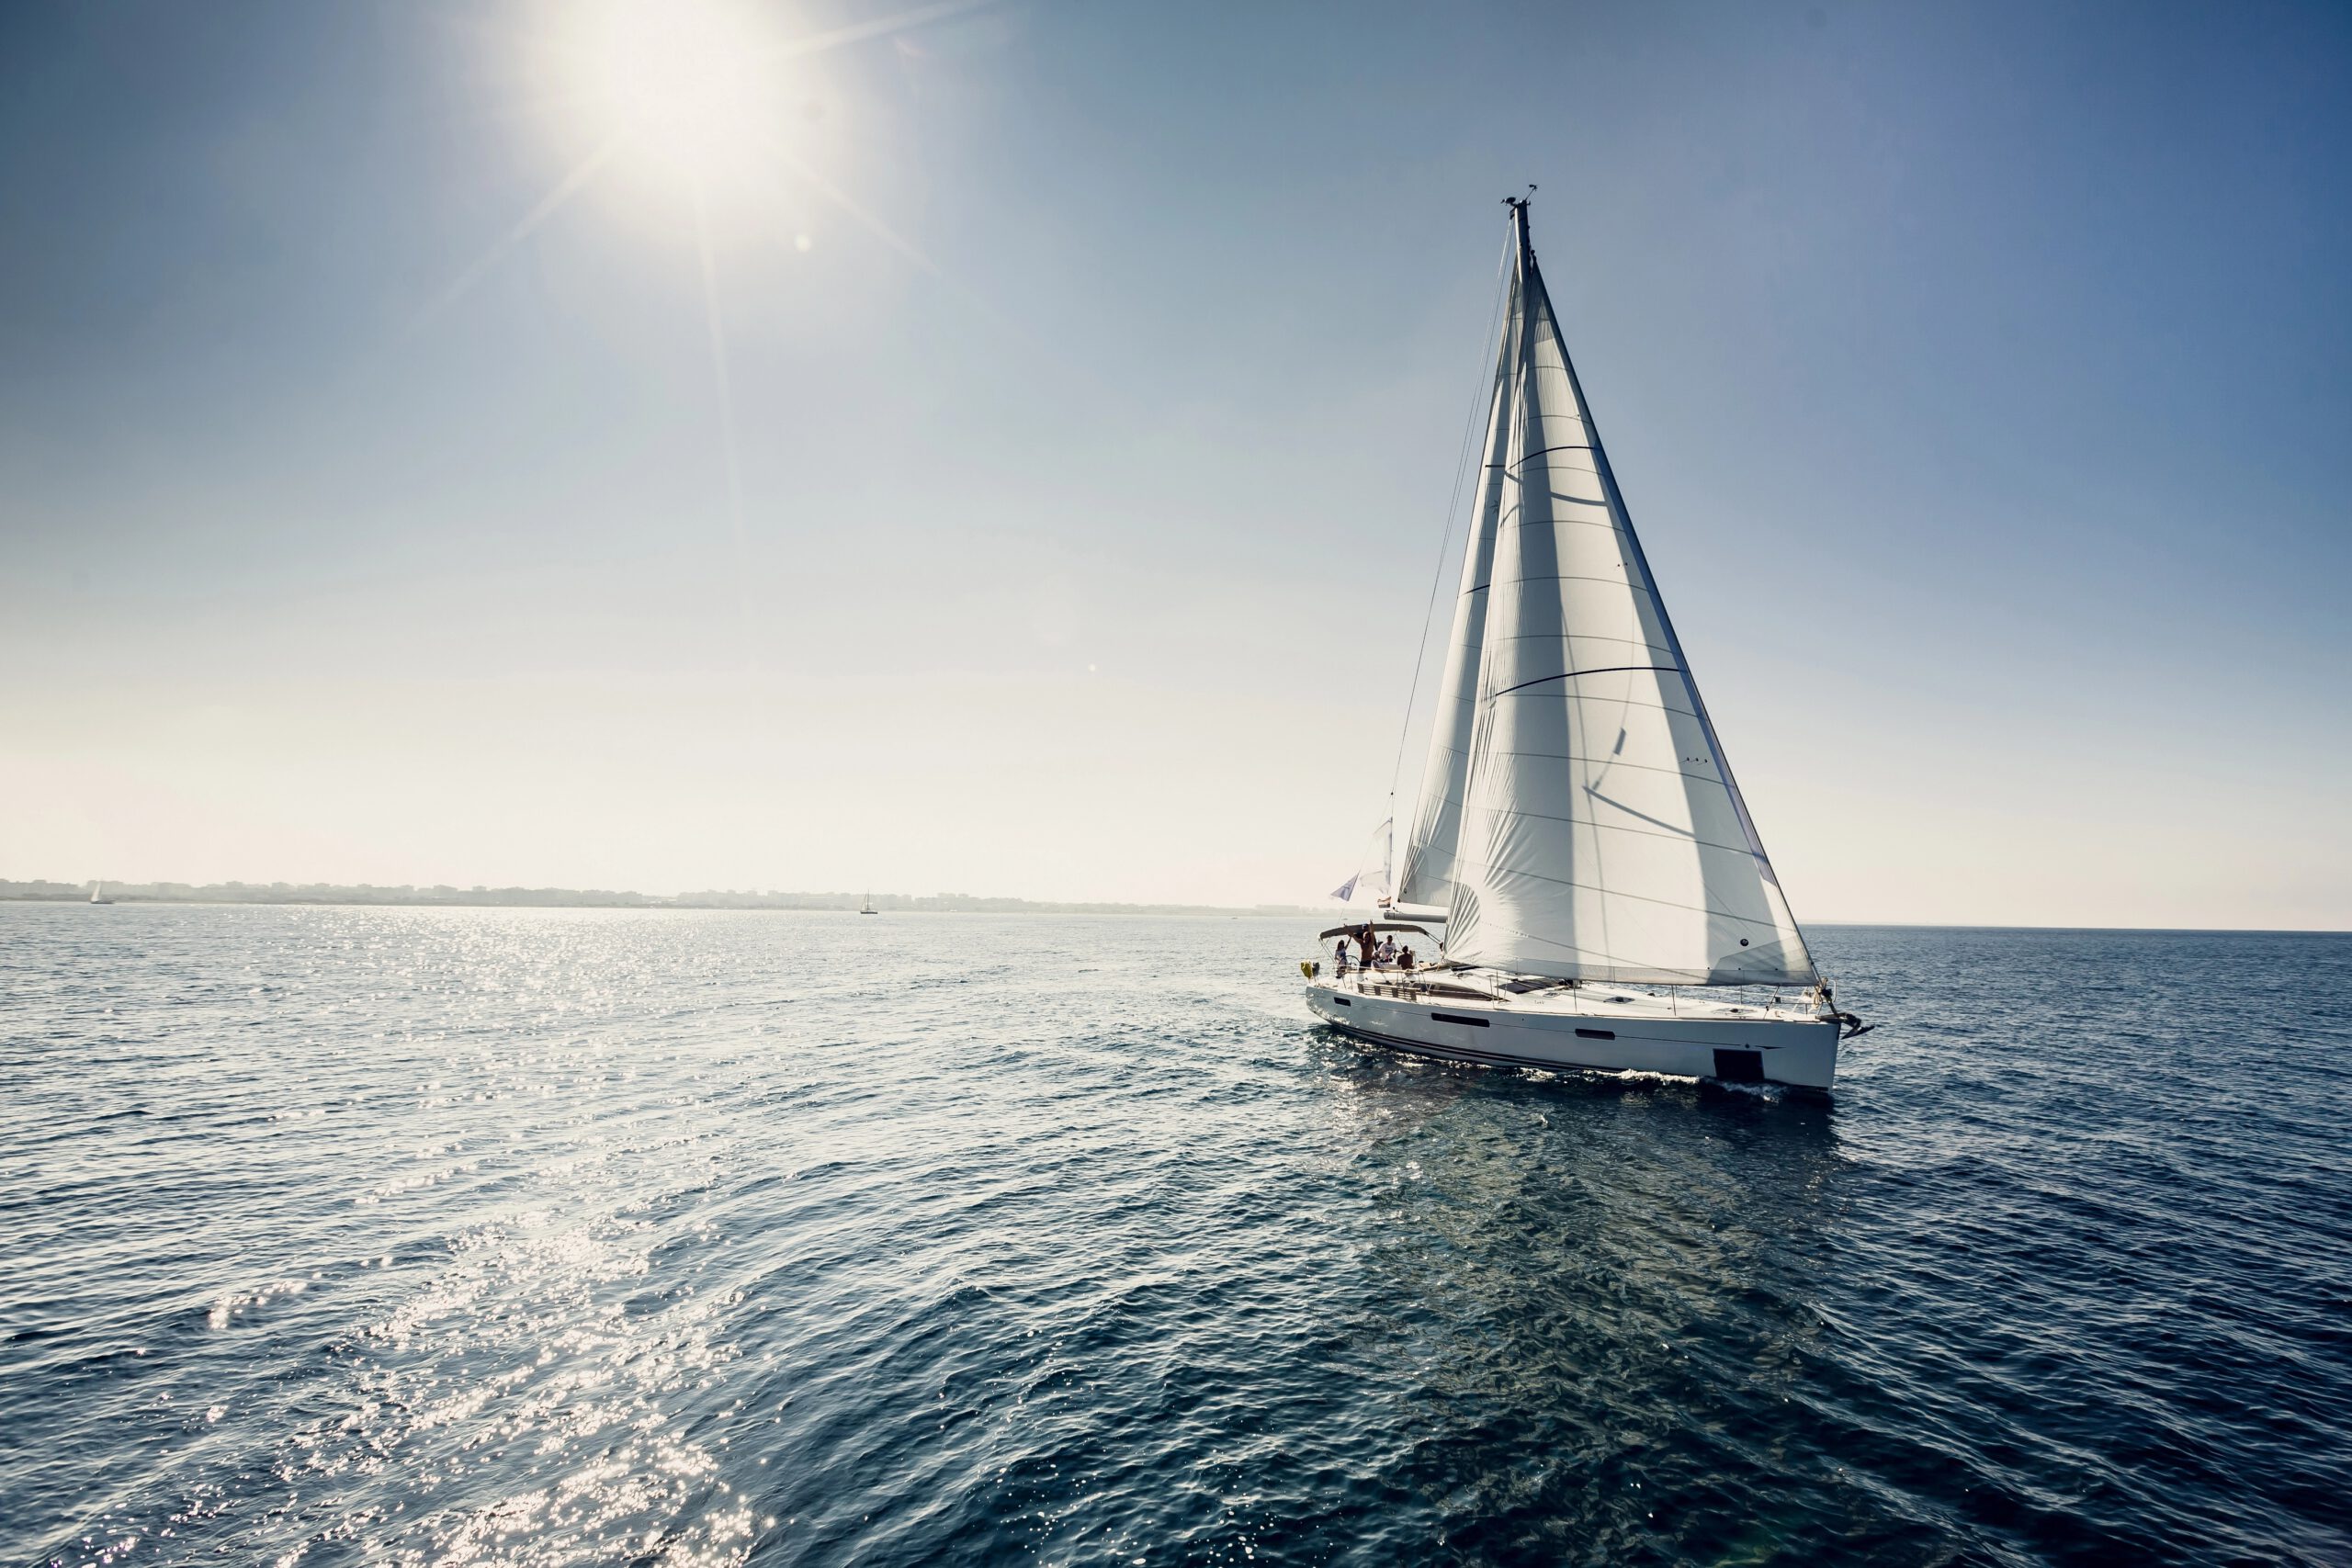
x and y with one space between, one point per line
1561 999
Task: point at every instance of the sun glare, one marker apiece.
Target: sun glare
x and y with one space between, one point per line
688 93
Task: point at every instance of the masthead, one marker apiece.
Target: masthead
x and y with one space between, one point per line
1518 205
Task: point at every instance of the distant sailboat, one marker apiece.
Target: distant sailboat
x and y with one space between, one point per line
99 894
867 907
1579 836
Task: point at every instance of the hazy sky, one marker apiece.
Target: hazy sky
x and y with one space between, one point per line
1980 378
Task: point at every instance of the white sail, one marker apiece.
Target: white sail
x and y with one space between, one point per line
1603 837
1427 877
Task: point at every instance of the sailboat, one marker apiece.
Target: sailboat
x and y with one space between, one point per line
99 894
867 907
1605 901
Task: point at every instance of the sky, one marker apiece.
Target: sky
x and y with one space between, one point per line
1007 448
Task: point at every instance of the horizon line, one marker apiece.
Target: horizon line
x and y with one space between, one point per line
35 890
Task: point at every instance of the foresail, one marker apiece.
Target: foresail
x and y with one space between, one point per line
1603 837
1427 877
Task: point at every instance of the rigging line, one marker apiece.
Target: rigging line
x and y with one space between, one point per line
1437 580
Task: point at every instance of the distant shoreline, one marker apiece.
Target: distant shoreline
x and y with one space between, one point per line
367 895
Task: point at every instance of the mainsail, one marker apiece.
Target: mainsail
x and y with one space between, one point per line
1428 877
1600 835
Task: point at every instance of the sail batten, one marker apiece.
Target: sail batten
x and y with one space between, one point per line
1599 834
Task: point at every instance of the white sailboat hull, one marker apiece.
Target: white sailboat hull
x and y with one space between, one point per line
1669 1035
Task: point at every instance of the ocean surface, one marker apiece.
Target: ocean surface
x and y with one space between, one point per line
343 1236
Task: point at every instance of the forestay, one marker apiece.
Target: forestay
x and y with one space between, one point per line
1602 836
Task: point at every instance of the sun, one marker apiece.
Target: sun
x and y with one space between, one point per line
687 93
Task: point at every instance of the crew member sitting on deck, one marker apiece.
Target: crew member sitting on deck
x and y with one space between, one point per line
1404 959
1386 954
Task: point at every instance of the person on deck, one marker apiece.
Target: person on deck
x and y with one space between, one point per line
1404 959
1364 942
1386 952
1339 956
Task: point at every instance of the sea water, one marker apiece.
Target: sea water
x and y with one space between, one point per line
414 1235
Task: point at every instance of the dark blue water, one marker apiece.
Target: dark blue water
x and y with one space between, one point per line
338 1235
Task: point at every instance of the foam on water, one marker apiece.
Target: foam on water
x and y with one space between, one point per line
545 1237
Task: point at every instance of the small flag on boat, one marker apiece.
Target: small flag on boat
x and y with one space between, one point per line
1347 890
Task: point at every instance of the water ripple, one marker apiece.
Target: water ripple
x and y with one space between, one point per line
570 1237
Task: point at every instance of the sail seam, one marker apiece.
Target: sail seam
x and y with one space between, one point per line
1621 699
1527 457
1614 762
1605 956
1624 582
1621 971
1637 897
1608 524
1573 674
1631 644
1560 498
1674 835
